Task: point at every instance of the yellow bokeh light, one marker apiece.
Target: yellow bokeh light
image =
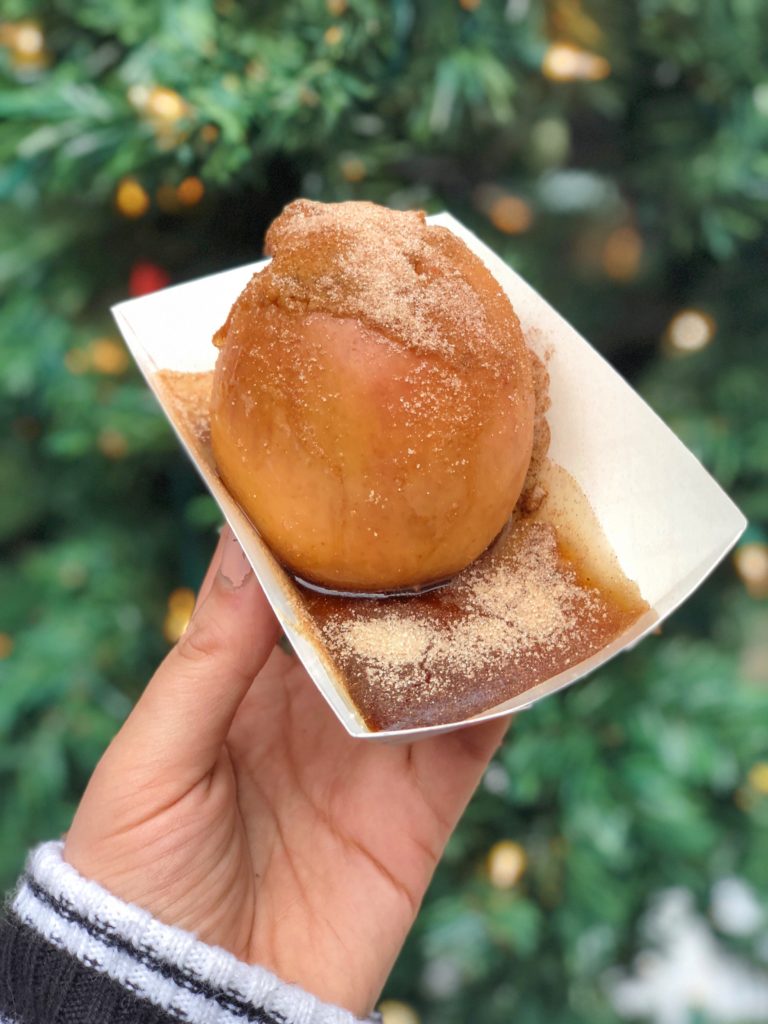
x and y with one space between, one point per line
25 43
333 35
190 191
165 104
108 356
353 168
27 39
395 1012
758 777
510 214
507 862
751 564
564 62
112 443
690 330
131 198
622 253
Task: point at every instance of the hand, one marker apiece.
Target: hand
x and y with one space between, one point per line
233 804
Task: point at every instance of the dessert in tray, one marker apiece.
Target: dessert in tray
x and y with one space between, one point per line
376 412
373 401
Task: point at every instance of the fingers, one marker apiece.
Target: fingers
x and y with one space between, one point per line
213 568
182 719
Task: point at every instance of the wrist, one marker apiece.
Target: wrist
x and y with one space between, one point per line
303 951
122 945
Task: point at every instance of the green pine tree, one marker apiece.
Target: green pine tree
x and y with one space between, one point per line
615 154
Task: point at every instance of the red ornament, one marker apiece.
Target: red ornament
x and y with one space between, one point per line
146 278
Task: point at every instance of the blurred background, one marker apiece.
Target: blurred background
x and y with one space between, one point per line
614 864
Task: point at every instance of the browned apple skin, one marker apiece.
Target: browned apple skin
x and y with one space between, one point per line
366 465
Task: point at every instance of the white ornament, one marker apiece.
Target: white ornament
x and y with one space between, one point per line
686 970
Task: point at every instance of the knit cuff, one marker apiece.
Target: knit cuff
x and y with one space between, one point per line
67 942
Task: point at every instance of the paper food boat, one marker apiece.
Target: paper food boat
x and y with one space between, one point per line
668 522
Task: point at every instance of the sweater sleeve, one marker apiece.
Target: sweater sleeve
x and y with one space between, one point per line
72 952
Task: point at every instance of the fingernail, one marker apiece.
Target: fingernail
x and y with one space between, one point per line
234 567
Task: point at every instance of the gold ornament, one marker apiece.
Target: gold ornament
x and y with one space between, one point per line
353 168
108 356
507 213
507 861
28 40
112 443
751 564
190 191
564 62
622 253
104 355
333 35
164 109
6 646
131 198
336 7
165 105
395 1012
758 778
181 604
25 43
510 214
690 331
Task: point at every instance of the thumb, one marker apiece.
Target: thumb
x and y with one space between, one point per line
182 719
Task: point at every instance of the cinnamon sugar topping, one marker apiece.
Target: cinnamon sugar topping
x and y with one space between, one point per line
419 285
521 609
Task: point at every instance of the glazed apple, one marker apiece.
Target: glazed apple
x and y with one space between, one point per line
373 405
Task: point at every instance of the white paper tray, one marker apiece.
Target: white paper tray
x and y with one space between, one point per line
667 520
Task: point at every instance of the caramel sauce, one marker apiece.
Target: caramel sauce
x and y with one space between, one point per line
548 594
470 661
